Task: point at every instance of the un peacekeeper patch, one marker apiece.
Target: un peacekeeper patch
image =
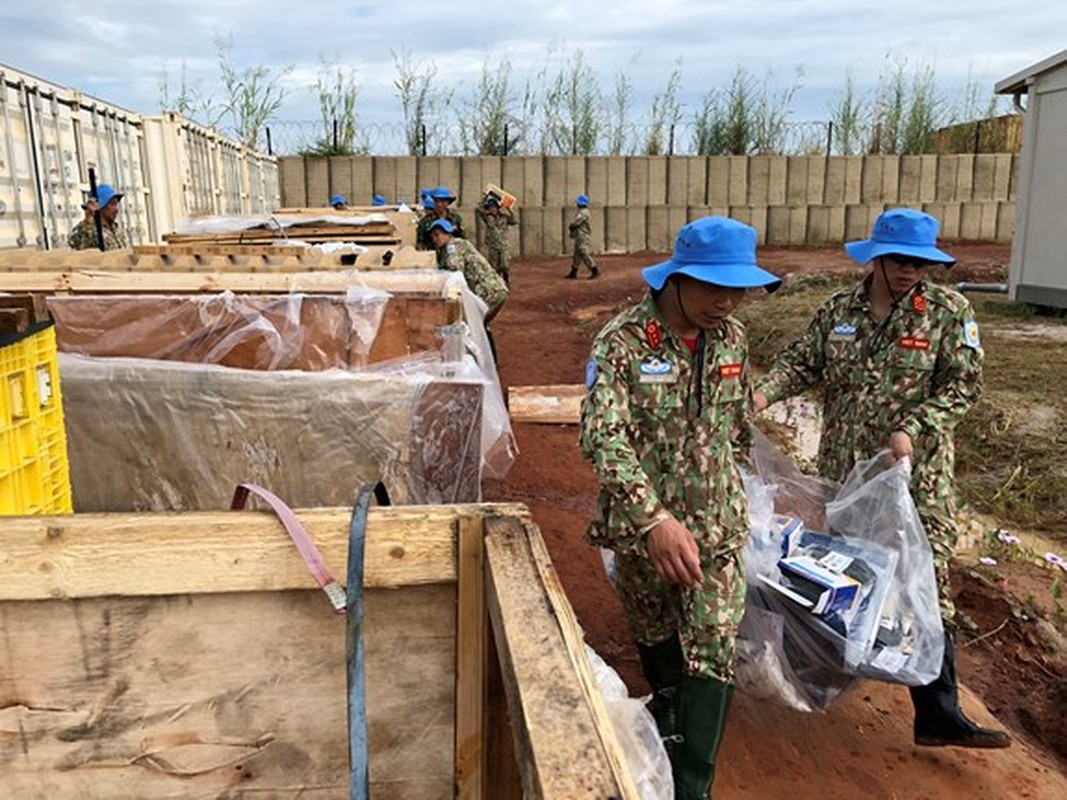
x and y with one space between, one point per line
970 334
656 370
843 332
590 373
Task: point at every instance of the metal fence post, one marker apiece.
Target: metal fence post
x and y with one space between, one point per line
270 147
977 136
829 137
505 139
423 131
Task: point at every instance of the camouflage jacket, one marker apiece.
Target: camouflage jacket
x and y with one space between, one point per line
579 228
496 229
422 230
83 236
459 255
664 430
917 372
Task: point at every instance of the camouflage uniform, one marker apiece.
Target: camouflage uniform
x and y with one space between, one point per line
918 372
459 255
497 241
580 232
83 236
664 441
422 229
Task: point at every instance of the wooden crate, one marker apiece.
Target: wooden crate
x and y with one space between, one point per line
189 655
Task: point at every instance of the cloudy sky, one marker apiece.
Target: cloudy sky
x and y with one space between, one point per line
118 49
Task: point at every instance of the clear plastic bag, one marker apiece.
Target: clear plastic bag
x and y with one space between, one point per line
867 533
636 732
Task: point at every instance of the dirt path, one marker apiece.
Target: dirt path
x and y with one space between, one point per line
862 747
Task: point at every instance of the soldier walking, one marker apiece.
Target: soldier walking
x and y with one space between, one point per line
899 362
665 421
497 219
579 231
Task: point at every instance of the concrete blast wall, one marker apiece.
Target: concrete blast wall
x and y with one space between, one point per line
639 202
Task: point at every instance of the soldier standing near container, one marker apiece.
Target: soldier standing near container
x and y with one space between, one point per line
83 236
900 362
497 219
459 255
665 421
442 199
580 232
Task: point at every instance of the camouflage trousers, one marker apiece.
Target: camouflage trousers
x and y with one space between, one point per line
938 515
583 254
706 617
498 260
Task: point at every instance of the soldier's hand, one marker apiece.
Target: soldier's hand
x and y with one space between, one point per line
759 401
900 444
90 208
674 553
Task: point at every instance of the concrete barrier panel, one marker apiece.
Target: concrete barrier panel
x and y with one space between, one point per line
597 224
834 187
492 172
816 180
970 222
677 217
406 186
385 176
340 169
531 228
534 181
677 181
858 220
636 229
697 180
596 180
317 176
576 183
756 216
759 181
890 180
949 215
556 193
1005 221
778 225
853 179
615 229
637 181
471 186
718 182
616 188
798 224
818 231
657 180
910 183
658 228
450 175
964 178
871 180
553 231
776 180
427 174
796 180
513 178
928 186
985 167
293 182
947 173
362 170
1003 186
738 181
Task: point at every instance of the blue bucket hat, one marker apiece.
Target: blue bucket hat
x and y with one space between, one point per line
443 224
338 200
715 250
442 193
105 194
581 201
491 201
901 231
427 203
377 200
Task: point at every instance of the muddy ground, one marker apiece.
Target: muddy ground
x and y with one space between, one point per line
861 747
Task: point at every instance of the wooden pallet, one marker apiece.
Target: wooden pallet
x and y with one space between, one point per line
218 250
19 312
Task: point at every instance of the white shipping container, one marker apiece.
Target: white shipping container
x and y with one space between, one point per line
168 168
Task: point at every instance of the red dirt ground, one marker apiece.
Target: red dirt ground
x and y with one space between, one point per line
860 748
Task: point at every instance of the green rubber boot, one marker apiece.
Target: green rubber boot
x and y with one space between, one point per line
703 703
663 665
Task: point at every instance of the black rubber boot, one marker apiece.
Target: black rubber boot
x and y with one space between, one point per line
594 273
939 722
572 274
663 665
703 703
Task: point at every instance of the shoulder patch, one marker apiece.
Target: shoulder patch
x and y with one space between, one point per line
590 373
654 334
970 334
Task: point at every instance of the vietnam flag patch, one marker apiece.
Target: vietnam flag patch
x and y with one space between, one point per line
730 370
914 343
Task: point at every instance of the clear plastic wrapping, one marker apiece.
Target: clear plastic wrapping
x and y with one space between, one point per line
805 643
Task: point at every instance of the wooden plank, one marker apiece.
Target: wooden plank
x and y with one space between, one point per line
218 250
96 282
552 405
563 736
14 320
34 307
223 695
471 638
89 555
503 781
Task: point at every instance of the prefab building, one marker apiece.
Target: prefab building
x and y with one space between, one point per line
1038 271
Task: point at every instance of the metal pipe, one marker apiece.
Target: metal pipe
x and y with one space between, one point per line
986 288
35 167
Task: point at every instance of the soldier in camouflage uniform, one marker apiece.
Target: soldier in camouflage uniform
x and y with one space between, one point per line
665 421
83 235
900 362
442 198
497 220
580 232
459 255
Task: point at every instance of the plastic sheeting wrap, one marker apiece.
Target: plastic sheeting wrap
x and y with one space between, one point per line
172 400
278 222
157 435
865 535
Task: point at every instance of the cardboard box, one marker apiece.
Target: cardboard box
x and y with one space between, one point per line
826 587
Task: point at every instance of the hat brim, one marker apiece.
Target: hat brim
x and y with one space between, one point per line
866 250
730 276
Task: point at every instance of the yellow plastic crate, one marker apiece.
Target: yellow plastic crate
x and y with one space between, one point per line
34 472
